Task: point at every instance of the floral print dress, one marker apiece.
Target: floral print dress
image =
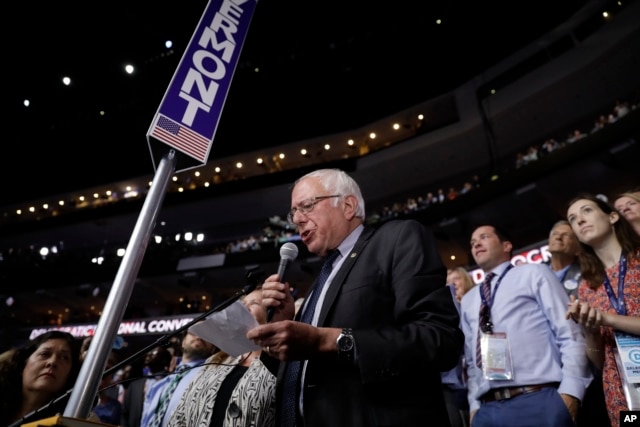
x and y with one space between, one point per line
613 392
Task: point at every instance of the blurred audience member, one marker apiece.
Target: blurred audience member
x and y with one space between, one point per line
175 348
549 146
156 367
628 205
599 123
452 194
564 248
454 382
576 135
162 399
108 407
621 108
531 154
461 281
128 373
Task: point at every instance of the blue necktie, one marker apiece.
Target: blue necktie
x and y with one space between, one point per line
292 373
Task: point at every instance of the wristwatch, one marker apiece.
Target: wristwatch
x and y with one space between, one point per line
345 345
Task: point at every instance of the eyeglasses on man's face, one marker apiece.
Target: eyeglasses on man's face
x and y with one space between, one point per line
307 205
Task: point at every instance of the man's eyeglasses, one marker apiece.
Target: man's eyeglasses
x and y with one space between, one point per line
307 205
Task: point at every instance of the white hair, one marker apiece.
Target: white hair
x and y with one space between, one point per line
336 181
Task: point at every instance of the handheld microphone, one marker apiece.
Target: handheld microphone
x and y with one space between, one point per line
288 253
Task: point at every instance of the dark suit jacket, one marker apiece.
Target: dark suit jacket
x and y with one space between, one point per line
391 289
132 404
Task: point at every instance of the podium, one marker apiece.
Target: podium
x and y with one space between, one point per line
60 420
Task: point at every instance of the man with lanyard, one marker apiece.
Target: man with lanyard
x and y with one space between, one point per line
526 362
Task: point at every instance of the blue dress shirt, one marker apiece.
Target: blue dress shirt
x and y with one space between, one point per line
529 306
153 394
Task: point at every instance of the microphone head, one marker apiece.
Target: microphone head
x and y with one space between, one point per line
289 251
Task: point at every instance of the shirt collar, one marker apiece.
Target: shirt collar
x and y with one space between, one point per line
500 268
346 246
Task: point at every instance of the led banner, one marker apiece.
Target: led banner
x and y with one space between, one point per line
537 255
189 113
152 326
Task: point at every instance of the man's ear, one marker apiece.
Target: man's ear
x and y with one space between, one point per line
349 206
507 246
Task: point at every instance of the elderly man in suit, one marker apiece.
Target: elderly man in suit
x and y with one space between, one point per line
369 343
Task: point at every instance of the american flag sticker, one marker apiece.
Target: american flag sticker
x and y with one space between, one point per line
180 137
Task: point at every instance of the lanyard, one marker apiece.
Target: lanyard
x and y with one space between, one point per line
617 304
495 289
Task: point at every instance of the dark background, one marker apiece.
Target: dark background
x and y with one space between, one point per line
324 67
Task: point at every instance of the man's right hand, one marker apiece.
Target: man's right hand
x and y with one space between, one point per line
471 414
277 298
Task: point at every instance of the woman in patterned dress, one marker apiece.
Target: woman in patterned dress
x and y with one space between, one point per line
610 263
230 391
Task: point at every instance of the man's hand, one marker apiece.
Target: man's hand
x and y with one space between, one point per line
471 414
289 340
277 298
592 319
573 404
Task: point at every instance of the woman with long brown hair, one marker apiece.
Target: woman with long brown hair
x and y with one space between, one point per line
609 292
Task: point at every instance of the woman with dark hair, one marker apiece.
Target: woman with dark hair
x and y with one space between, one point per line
37 374
609 292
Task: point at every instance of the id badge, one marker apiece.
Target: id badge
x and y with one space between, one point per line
496 356
627 356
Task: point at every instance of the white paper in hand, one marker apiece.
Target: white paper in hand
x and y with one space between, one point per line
227 329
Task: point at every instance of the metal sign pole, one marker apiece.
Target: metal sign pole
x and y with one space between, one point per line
185 124
84 393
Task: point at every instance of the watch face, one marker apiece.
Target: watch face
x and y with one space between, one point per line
345 342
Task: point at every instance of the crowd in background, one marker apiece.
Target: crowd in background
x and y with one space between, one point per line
597 240
278 230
